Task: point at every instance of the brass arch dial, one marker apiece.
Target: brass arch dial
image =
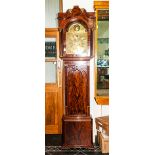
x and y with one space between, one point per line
76 40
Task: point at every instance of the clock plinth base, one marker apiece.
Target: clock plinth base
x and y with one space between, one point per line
77 132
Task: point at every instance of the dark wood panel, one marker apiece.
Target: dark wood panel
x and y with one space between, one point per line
77 132
77 88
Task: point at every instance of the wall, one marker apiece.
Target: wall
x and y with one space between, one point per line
88 5
51 13
95 110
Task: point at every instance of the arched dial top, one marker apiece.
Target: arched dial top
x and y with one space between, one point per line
76 28
77 40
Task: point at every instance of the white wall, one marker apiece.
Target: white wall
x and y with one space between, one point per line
95 110
68 4
51 10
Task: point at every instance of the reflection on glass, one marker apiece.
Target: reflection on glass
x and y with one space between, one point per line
103 53
50 72
50 47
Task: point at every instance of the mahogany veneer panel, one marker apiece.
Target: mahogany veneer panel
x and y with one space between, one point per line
77 88
77 131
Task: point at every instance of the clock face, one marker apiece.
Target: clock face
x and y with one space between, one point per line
76 40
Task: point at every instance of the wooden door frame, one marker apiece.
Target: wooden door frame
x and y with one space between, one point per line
54 33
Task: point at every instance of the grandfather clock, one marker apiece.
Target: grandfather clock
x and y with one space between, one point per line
76 28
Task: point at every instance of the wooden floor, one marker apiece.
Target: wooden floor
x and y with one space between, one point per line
53 147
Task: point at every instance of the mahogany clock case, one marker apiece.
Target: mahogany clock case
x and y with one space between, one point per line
76 28
77 122
76 78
